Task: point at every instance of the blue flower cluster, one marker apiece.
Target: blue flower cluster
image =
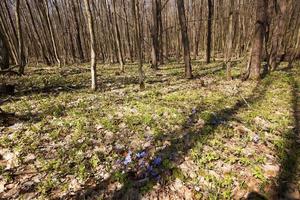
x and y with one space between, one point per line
151 169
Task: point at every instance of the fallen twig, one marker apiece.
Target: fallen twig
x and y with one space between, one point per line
2 101
245 101
10 70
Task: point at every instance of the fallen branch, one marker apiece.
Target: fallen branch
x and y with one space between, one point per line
245 101
10 70
2 101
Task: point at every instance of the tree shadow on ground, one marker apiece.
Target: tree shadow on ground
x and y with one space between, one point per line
255 196
51 90
9 119
208 71
121 82
178 148
108 83
181 146
289 163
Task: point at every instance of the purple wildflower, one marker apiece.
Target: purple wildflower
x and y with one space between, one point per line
154 173
157 161
141 155
256 138
128 159
149 168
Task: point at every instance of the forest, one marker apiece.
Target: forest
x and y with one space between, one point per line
150 99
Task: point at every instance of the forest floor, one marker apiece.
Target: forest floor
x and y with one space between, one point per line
205 138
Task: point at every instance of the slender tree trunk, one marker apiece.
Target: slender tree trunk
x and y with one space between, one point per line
11 45
209 30
278 34
295 51
21 54
113 48
118 39
185 39
230 36
14 31
161 31
69 32
4 56
61 26
154 35
92 44
137 32
40 15
129 45
78 36
51 33
257 44
198 30
35 29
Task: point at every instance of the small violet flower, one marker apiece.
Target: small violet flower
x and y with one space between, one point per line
141 155
149 169
157 161
194 111
128 159
154 173
256 138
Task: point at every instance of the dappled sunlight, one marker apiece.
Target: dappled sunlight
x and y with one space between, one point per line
122 141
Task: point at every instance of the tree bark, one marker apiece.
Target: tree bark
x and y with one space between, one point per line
11 46
278 34
50 28
117 38
92 44
209 30
154 35
230 37
129 45
184 39
4 56
161 31
78 36
21 54
35 29
137 32
257 44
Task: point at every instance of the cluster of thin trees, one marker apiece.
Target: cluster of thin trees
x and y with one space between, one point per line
118 31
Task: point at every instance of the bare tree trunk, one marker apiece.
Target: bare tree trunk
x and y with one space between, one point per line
230 36
278 34
185 39
113 48
37 33
295 51
209 30
4 56
257 44
21 54
137 31
154 35
259 34
40 14
64 33
78 36
92 44
160 27
10 45
198 30
51 33
117 36
129 45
